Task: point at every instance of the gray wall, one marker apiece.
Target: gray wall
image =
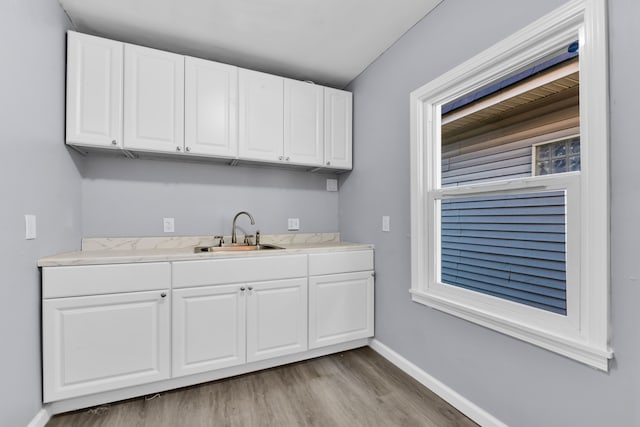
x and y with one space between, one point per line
520 384
38 176
124 197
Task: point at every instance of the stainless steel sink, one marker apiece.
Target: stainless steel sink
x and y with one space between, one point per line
234 248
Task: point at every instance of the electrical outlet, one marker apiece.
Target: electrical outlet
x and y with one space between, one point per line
332 184
29 227
293 224
386 223
169 225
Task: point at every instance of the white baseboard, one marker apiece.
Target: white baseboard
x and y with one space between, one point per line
455 399
42 417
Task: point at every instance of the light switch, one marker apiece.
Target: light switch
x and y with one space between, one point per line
386 223
293 224
332 184
169 225
29 227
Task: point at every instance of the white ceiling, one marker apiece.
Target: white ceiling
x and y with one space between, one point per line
326 41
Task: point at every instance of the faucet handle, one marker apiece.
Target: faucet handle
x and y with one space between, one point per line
247 238
221 239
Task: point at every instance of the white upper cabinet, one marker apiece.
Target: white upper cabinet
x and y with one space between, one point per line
281 120
211 105
153 100
261 116
94 91
303 123
338 117
127 97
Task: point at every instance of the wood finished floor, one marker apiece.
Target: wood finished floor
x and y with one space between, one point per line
354 388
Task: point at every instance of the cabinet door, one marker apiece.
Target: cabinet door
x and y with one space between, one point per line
94 91
208 328
340 308
303 123
211 104
100 343
276 318
337 128
261 116
153 100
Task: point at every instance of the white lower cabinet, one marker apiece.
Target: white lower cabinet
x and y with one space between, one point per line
208 328
104 342
340 308
276 318
110 327
104 327
223 316
341 289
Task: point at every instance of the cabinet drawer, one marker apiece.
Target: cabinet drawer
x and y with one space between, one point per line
104 279
237 270
340 262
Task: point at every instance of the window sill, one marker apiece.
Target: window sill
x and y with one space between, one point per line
583 352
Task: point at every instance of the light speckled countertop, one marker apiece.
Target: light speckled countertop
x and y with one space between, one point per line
162 249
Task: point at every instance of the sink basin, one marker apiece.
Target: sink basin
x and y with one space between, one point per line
234 248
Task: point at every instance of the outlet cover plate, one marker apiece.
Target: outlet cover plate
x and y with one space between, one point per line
169 225
293 224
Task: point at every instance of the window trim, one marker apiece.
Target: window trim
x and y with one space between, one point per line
585 334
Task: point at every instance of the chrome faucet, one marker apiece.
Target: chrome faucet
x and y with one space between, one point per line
234 237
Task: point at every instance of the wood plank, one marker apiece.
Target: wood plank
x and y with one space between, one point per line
355 388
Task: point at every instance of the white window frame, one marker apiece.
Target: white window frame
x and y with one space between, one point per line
583 334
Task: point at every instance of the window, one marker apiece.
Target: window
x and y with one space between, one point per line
509 186
557 156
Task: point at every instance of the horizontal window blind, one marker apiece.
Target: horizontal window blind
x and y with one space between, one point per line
508 246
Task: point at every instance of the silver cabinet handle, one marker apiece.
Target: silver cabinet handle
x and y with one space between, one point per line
187 149
328 163
163 295
242 289
114 142
280 158
287 159
178 148
250 288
